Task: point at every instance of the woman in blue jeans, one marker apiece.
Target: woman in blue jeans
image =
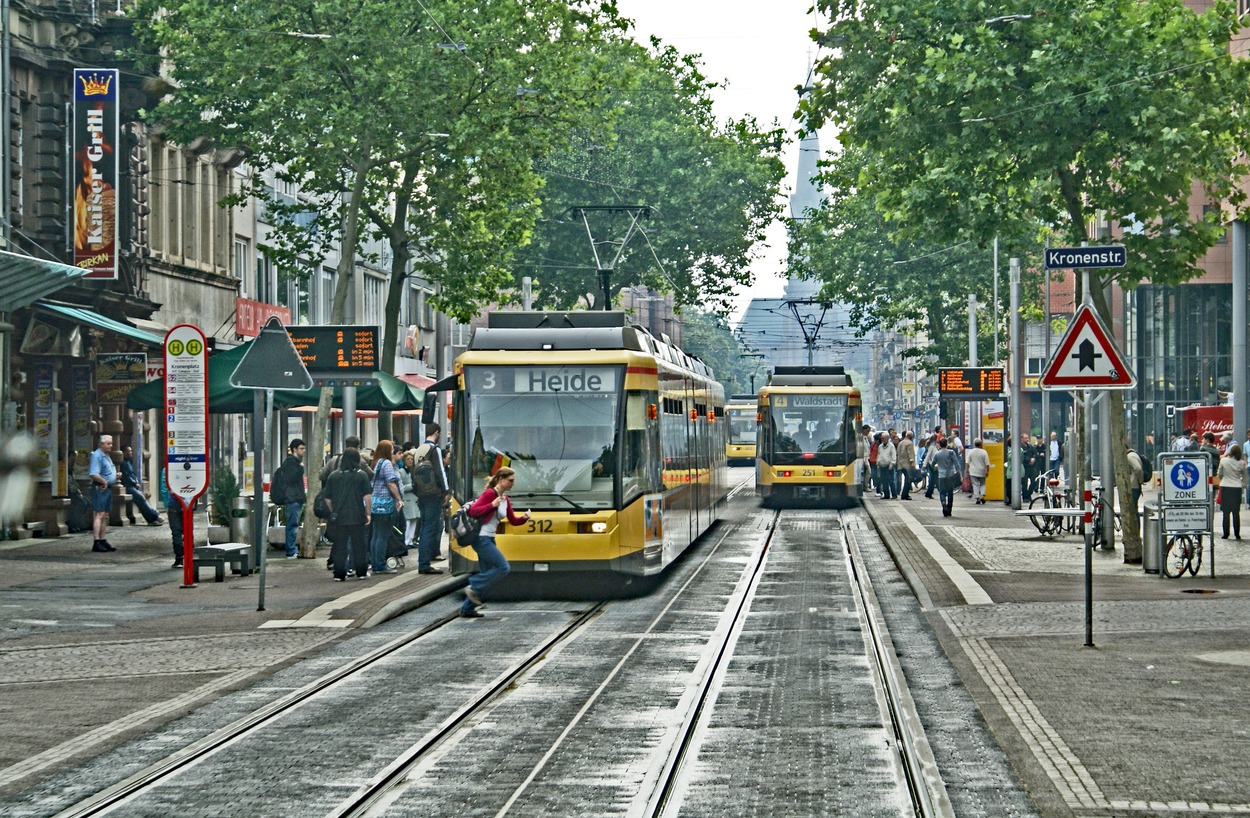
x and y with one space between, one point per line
492 507
387 501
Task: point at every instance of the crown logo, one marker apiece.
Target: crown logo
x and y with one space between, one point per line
93 85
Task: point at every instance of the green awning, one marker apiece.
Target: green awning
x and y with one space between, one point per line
96 320
390 393
26 279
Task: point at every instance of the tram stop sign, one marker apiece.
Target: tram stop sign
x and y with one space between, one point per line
272 362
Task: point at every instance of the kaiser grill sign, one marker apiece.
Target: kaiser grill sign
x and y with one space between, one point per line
1080 258
95 171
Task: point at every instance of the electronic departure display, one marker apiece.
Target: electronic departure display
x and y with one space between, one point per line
337 351
971 383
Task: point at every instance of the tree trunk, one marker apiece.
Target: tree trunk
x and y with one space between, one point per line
397 237
345 276
1119 456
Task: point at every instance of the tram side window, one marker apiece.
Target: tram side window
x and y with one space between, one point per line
640 449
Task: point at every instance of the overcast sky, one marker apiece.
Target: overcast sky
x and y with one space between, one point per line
761 50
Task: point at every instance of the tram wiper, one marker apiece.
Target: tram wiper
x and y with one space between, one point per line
575 506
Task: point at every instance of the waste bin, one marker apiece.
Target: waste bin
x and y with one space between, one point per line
241 520
1151 549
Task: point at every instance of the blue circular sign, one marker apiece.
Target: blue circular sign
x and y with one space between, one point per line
1184 475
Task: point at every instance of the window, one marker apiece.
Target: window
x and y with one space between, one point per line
375 299
241 254
262 288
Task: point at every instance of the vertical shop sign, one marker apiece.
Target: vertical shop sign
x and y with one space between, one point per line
44 378
96 166
80 419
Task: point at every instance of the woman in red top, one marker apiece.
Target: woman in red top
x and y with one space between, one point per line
493 506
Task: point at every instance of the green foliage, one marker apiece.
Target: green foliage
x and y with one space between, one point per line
972 128
712 188
222 492
707 336
375 94
907 285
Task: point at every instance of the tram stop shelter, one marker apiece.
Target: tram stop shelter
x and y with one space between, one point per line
388 394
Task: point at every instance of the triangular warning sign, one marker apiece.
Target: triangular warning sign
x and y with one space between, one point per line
271 362
1087 358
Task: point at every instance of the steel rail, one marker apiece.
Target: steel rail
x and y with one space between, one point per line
662 800
364 799
917 765
116 794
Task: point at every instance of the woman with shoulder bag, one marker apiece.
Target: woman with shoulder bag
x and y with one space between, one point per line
386 500
407 488
491 507
1232 479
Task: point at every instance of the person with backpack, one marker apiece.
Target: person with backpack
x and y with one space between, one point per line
286 489
349 498
430 482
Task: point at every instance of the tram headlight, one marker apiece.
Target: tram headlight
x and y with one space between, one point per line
599 527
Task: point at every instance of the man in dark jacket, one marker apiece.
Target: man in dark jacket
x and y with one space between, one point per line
430 539
133 486
291 492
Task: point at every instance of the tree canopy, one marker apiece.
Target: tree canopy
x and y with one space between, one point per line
711 188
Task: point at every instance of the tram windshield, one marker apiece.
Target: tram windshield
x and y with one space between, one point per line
741 426
807 424
554 425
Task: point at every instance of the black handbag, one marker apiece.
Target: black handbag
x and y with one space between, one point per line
465 527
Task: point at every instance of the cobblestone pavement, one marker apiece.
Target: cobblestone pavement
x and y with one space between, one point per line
96 649
1149 720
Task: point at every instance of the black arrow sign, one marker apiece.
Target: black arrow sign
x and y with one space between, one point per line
1086 355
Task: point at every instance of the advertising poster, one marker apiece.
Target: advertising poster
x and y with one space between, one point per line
992 439
116 373
96 165
80 418
45 416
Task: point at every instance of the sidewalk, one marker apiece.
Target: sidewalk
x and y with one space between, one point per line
1095 730
52 579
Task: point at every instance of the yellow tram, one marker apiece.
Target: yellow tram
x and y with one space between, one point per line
617 439
807 448
740 448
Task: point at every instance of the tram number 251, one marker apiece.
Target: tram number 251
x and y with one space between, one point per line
809 473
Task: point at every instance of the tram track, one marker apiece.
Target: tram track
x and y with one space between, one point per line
156 774
919 773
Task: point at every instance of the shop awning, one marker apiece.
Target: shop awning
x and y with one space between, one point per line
389 393
85 316
27 279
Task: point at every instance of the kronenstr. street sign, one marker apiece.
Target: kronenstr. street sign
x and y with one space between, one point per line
1082 258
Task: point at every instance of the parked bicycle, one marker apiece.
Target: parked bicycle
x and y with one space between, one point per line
1184 553
1048 493
1101 508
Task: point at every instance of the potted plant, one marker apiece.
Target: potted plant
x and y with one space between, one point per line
222 493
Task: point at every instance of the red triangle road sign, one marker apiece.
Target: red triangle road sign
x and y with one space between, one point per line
1087 358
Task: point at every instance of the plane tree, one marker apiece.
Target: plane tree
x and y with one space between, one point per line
710 186
419 109
973 118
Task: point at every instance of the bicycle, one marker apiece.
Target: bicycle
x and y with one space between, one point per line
1184 552
1101 507
1048 493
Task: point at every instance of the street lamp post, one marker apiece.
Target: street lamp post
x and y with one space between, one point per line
1014 381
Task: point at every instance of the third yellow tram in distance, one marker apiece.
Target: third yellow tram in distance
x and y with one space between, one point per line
807 445
740 412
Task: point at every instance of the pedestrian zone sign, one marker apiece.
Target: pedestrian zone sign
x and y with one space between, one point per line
1185 479
1087 358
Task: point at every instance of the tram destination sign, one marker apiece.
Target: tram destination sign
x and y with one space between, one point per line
1081 258
971 383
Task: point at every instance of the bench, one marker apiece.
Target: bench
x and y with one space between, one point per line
237 554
